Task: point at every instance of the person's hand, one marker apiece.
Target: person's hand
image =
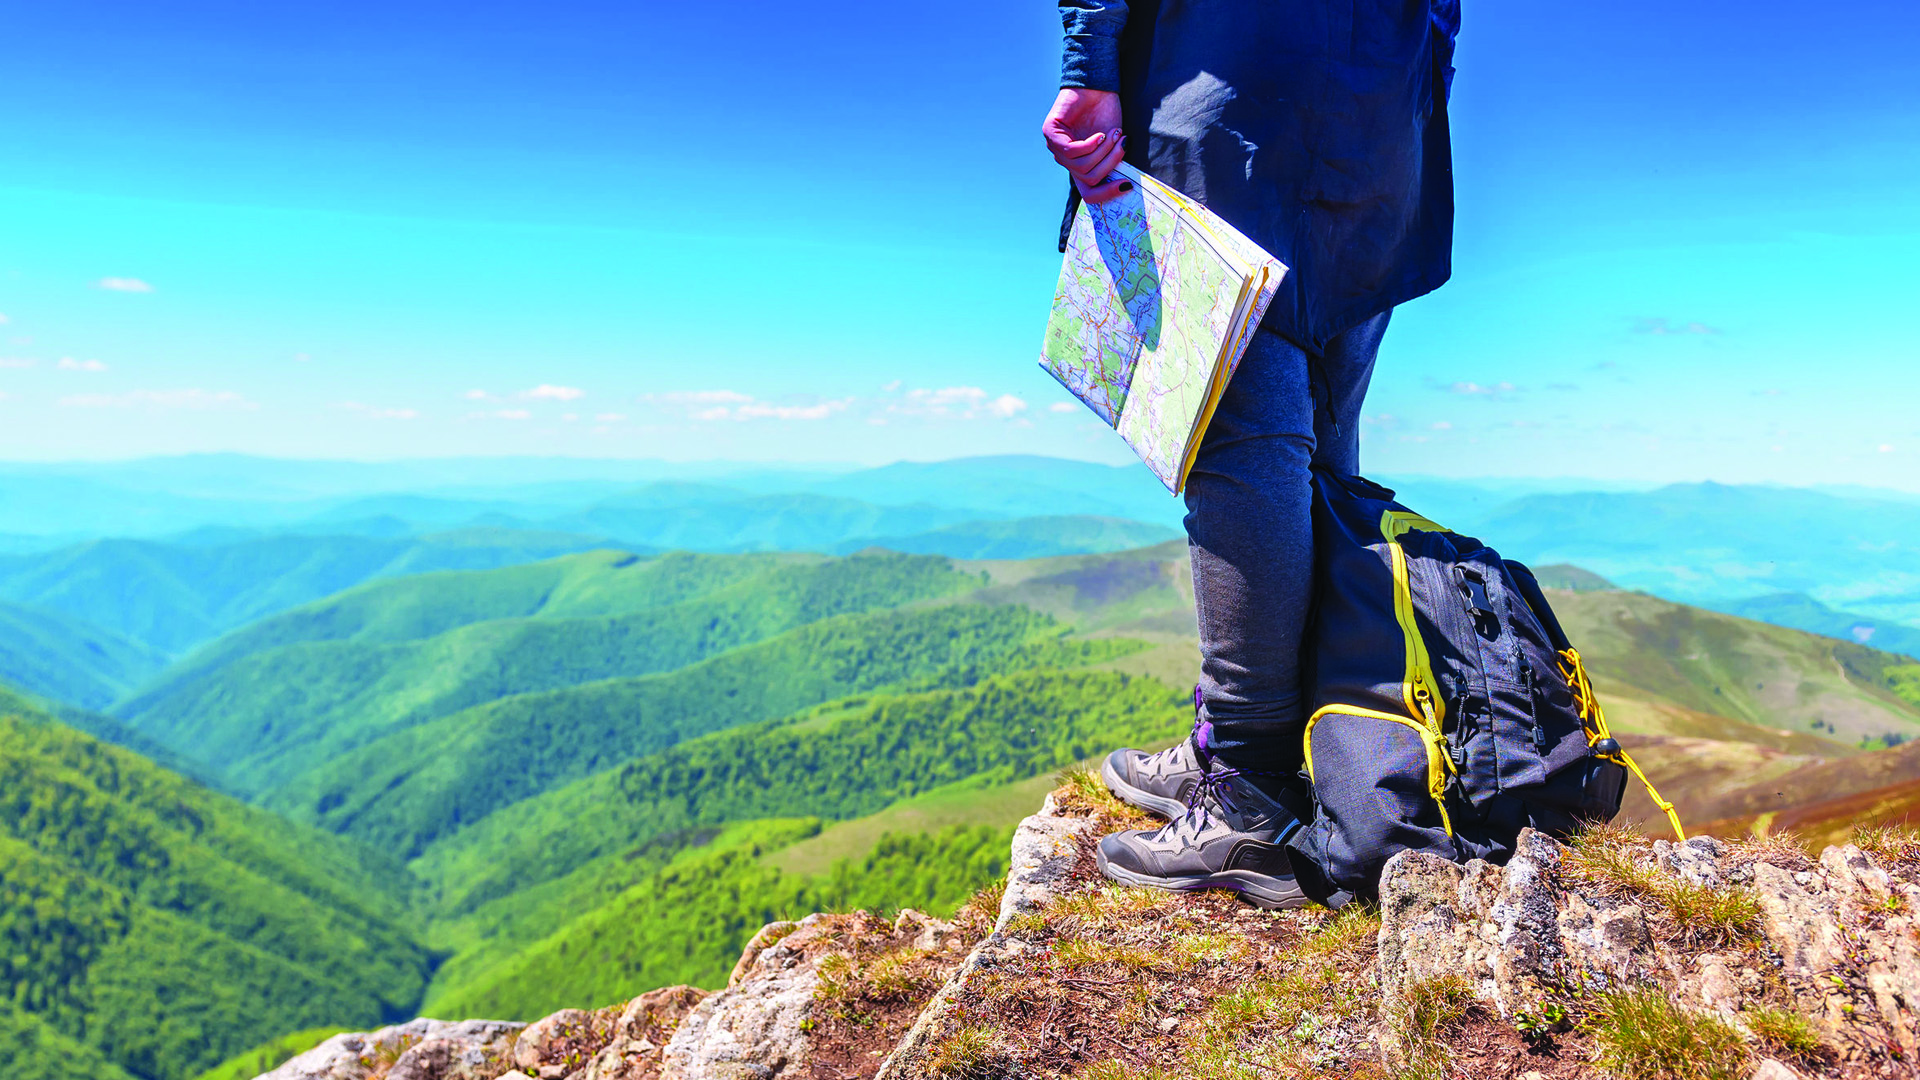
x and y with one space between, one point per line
1083 134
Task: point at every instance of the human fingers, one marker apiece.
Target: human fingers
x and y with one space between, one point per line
1066 149
1095 168
1103 193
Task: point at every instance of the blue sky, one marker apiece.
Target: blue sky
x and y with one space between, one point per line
1686 238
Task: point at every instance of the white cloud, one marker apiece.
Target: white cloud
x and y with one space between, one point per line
738 410
194 398
956 403
1062 407
1474 389
301 358
609 417
699 397
1661 326
550 392
1006 405
376 413
68 363
17 361
1886 448
1442 425
512 414
123 284
570 417
4 320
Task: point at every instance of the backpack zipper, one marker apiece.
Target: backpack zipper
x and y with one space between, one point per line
1437 767
1426 712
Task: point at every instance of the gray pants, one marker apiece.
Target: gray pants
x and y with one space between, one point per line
1250 528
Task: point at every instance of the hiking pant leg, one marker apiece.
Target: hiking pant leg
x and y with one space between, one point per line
1250 530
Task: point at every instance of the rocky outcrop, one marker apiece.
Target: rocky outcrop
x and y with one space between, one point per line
416 1050
1722 931
1066 972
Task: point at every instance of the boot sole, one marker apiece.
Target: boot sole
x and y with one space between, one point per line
1260 890
1133 796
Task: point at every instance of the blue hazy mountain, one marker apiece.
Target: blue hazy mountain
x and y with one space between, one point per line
59 656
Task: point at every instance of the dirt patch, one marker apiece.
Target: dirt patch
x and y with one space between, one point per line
876 977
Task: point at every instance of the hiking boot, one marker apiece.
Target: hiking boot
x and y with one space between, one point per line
1230 839
1157 783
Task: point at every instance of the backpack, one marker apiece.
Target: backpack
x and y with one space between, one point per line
1449 711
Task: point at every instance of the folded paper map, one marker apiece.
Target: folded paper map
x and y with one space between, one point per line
1156 303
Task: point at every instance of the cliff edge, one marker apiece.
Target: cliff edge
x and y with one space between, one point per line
1615 956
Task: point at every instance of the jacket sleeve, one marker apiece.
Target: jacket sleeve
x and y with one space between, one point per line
1445 16
1092 29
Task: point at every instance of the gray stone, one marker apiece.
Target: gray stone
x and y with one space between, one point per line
457 1046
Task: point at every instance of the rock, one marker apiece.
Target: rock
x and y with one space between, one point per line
1514 932
757 1026
1045 848
429 1049
768 935
643 1027
1772 1069
1718 990
569 1037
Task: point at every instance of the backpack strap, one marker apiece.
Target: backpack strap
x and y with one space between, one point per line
1592 719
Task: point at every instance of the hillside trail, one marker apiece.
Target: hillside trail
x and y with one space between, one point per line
1615 956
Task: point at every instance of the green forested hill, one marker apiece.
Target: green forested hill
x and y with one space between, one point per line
530 887
404 790
330 678
173 596
165 926
65 658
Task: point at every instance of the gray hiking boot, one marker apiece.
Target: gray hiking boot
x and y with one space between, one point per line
1157 783
1230 839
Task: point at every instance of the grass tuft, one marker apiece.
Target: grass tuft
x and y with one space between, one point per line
1700 914
1427 1009
969 1053
1890 842
1783 848
1083 793
1643 1035
1116 1070
1782 1030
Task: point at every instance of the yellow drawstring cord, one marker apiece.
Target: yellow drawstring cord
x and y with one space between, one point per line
1595 723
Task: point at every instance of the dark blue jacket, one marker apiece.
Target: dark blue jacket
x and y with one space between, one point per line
1316 127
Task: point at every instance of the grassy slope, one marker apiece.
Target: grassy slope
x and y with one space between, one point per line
1642 648
316 683
169 926
62 657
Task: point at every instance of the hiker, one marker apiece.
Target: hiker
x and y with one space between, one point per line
1318 128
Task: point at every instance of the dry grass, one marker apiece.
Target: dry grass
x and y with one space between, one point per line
1643 1035
1083 794
1893 843
1427 1010
970 1053
1784 848
1616 858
